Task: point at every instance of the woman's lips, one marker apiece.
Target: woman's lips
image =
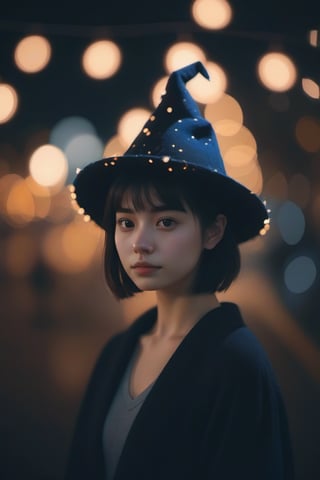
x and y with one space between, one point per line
145 268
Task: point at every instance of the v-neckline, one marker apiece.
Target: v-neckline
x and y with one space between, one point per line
170 360
133 401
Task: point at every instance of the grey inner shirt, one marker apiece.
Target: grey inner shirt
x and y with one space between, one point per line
119 420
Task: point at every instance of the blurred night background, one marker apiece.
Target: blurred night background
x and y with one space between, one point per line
66 100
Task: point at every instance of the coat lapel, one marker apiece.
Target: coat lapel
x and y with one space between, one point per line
101 390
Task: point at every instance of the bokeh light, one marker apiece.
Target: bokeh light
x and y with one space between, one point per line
131 123
277 71
300 274
314 38
225 115
36 189
32 54
307 133
20 205
243 136
240 157
239 152
291 222
114 147
311 88
68 128
251 177
181 54
212 14
102 59
48 166
41 197
72 248
61 207
8 102
81 150
6 184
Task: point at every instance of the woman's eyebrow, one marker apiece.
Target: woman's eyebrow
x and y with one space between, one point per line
153 209
124 210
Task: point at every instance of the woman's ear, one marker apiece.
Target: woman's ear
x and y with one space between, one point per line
214 233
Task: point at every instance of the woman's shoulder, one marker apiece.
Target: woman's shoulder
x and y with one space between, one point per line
243 346
243 357
241 349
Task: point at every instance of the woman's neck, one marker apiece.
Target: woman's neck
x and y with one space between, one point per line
178 314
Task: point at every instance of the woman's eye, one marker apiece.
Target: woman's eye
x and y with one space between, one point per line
166 222
124 223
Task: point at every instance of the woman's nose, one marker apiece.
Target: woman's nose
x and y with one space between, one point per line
142 247
143 243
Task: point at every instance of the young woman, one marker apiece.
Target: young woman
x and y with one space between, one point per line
186 392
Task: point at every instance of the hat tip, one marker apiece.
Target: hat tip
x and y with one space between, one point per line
201 69
190 71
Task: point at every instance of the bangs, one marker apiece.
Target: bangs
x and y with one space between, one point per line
144 193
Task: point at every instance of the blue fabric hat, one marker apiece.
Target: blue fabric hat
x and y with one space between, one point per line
176 138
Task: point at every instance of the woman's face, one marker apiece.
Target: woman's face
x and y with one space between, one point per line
159 248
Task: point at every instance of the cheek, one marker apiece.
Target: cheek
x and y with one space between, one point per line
120 245
116 242
190 244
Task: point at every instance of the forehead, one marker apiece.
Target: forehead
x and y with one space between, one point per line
149 198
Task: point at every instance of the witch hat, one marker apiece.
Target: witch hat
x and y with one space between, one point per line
176 138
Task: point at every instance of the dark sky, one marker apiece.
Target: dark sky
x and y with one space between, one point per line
271 15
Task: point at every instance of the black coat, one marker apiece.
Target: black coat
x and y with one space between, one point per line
214 413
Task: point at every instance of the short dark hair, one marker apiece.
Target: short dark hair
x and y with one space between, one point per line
217 267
